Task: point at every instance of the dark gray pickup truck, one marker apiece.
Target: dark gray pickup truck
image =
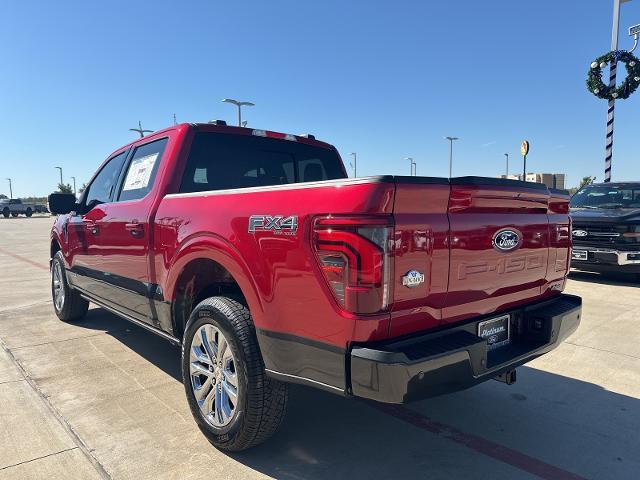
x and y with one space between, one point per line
606 228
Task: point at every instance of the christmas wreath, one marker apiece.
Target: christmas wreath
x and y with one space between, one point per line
626 88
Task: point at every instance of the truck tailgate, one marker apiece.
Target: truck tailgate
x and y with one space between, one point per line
499 246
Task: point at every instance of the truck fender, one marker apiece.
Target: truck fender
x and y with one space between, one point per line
213 247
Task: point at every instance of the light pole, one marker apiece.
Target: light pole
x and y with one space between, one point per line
10 188
60 168
451 140
239 104
74 185
355 164
507 174
140 130
608 156
414 166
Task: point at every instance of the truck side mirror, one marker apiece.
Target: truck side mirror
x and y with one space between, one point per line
60 203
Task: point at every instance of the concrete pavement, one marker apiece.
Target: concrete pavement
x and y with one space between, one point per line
102 399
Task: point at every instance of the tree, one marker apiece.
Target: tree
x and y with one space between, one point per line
586 181
2 195
82 188
62 188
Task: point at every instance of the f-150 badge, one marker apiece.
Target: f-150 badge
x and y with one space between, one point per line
412 279
278 224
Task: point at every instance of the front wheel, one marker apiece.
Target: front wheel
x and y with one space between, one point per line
234 403
67 302
6 212
29 212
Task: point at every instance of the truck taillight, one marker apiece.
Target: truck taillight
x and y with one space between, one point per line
354 257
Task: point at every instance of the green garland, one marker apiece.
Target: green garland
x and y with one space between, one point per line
630 84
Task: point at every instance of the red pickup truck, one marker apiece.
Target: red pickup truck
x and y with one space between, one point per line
254 251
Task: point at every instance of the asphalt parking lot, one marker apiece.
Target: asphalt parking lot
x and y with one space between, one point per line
102 399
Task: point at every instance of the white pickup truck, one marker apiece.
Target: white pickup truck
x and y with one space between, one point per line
15 207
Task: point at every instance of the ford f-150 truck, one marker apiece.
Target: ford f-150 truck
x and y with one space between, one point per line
254 251
606 228
15 207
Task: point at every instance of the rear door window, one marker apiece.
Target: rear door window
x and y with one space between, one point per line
142 169
222 161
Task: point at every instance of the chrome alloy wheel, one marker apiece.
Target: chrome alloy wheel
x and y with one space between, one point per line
58 286
214 380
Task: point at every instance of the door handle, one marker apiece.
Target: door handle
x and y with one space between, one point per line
135 229
91 226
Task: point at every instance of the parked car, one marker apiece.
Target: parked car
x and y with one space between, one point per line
606 228
253 251
15 207
41 208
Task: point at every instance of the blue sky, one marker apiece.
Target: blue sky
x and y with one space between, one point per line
387 80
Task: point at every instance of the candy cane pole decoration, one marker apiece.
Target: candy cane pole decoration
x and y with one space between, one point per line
610 110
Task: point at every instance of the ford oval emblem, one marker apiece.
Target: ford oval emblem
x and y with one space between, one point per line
580 233
506 240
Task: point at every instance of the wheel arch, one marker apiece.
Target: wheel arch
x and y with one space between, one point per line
208 266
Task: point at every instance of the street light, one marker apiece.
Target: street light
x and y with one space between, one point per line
74 185
613 67
507 155
140 130
10 188
355 164
414 166
451 140
60 168
239 104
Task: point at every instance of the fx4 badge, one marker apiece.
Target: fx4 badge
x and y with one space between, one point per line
412 279
278 224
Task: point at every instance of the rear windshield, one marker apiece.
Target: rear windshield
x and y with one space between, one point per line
603 196
222 161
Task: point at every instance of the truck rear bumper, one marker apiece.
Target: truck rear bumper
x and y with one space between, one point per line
456 358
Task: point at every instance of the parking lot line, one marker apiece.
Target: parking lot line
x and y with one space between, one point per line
477 444
23 259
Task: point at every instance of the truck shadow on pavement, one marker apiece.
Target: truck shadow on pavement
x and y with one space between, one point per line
564 428
613 279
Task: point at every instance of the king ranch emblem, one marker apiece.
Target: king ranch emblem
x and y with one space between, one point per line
506 240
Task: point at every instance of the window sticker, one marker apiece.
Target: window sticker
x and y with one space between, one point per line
200 176
139 172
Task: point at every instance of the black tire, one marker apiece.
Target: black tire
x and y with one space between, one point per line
261 401
6 212
29 212
73 307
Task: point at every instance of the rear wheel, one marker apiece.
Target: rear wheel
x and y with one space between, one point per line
234 403
67 302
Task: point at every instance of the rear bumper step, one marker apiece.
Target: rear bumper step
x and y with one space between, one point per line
456 358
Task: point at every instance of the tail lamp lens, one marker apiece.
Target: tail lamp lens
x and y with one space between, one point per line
354 256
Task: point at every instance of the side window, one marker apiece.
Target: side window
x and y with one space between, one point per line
103 184
142 169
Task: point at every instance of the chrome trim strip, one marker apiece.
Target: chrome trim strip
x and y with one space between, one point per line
623 258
